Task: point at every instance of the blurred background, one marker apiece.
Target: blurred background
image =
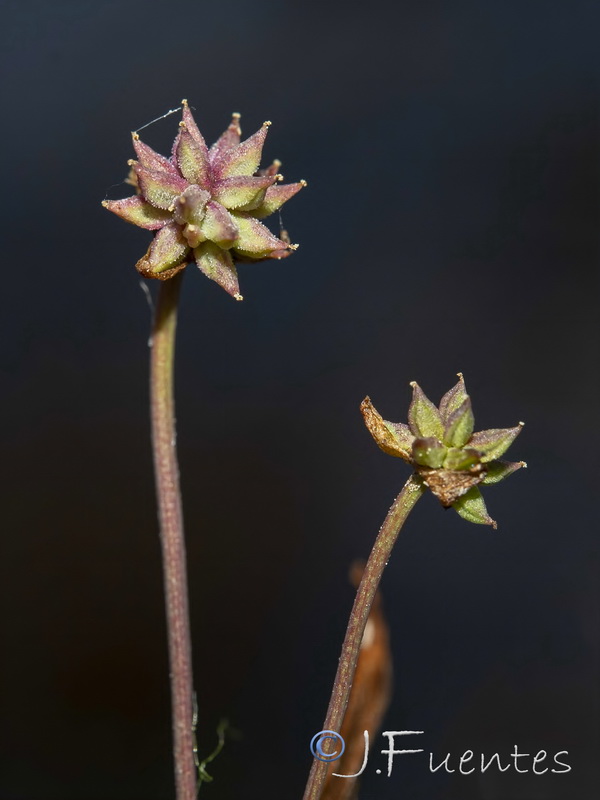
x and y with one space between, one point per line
452 153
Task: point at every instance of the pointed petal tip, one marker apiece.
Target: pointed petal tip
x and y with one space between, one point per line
237 297
267 123
303 183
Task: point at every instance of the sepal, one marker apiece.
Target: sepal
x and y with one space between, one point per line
459 458
272 169
471 506
243 159
453 398
499 470
187 118
242 193
423 417
217 264
275 197
219 226
167 251
149 159
459 425
159 188
192 157
138 212
428 452
494 442
395 439
254 239
229 139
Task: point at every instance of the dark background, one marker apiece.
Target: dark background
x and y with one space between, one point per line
450 223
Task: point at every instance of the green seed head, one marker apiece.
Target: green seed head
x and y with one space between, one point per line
440 444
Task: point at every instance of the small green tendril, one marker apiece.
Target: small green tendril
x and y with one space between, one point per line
223 726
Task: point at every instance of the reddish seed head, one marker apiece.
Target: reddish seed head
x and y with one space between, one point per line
205 204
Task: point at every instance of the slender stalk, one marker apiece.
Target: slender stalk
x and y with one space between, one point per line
386 538
171 533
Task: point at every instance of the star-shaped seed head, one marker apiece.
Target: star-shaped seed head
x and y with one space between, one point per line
441 446
205 203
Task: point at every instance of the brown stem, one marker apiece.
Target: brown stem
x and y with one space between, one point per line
386 538
171 533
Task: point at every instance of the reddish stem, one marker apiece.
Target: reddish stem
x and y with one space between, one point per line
386 538
171 533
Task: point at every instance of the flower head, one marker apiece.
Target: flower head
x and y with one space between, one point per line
205 203
441 446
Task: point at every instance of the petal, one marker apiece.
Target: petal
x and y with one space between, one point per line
495 441
192 157
242 192
453 398
401 433
243 159
138 212
217 264
275 197
159 188
498 470
254 239
219 226
471 507
428 452
228 140
149 159
395 439
423 417
168 249
459 425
